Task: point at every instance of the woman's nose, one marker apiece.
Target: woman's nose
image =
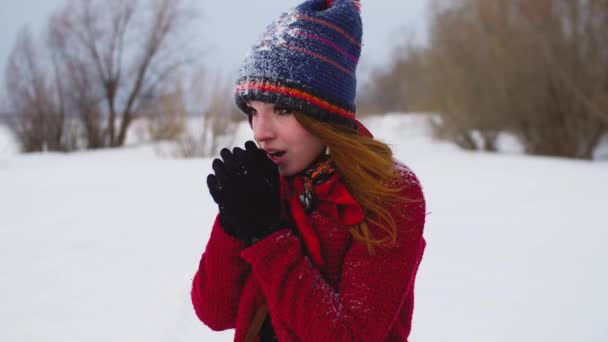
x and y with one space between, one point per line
263 128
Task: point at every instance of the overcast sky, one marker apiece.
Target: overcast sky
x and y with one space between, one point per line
230 26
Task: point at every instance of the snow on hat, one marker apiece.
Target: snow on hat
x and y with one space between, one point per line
306 61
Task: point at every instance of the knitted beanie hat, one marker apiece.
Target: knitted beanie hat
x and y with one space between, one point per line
306 61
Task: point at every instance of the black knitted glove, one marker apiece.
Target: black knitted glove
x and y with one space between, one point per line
246 188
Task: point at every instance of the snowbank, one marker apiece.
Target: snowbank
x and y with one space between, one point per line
101 246
8 145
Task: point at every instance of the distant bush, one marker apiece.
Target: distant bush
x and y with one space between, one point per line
535 69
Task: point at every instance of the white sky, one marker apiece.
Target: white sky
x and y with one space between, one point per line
230 27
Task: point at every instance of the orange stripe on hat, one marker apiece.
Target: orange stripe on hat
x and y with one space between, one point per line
266 87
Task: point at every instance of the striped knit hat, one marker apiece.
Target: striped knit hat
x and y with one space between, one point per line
306 61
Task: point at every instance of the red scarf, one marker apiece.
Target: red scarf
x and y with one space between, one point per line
319 189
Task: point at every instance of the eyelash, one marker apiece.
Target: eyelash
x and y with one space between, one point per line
278 110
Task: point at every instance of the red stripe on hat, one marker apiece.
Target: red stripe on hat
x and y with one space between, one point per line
327 42
315 55
267 87
330 25
321 57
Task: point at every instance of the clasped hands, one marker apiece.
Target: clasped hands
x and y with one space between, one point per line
245 186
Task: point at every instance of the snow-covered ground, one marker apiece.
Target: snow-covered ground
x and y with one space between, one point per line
102 246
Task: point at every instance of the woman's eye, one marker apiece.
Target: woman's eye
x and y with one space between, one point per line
283 111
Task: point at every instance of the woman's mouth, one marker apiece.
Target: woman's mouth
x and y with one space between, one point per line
276 156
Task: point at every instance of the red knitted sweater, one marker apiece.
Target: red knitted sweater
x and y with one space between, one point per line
343 294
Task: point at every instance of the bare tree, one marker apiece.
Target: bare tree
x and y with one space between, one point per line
128 51
220 116
106 62
399 86
33 97
536 69
167 115
571 43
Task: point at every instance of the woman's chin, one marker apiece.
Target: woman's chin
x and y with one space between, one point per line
286 171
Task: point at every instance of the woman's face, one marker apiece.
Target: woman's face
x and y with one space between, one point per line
277 131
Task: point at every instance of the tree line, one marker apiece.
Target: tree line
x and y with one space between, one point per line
98 66
535 69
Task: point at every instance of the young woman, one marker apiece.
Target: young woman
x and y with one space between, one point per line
319 231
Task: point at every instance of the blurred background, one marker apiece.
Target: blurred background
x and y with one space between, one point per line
112 111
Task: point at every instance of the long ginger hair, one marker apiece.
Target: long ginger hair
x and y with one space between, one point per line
368 171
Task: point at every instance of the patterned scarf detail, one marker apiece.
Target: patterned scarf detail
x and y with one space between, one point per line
317 174
318 188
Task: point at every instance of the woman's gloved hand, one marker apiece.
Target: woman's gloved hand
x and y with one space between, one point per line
245 185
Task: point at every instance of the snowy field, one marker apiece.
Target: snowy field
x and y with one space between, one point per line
102 246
